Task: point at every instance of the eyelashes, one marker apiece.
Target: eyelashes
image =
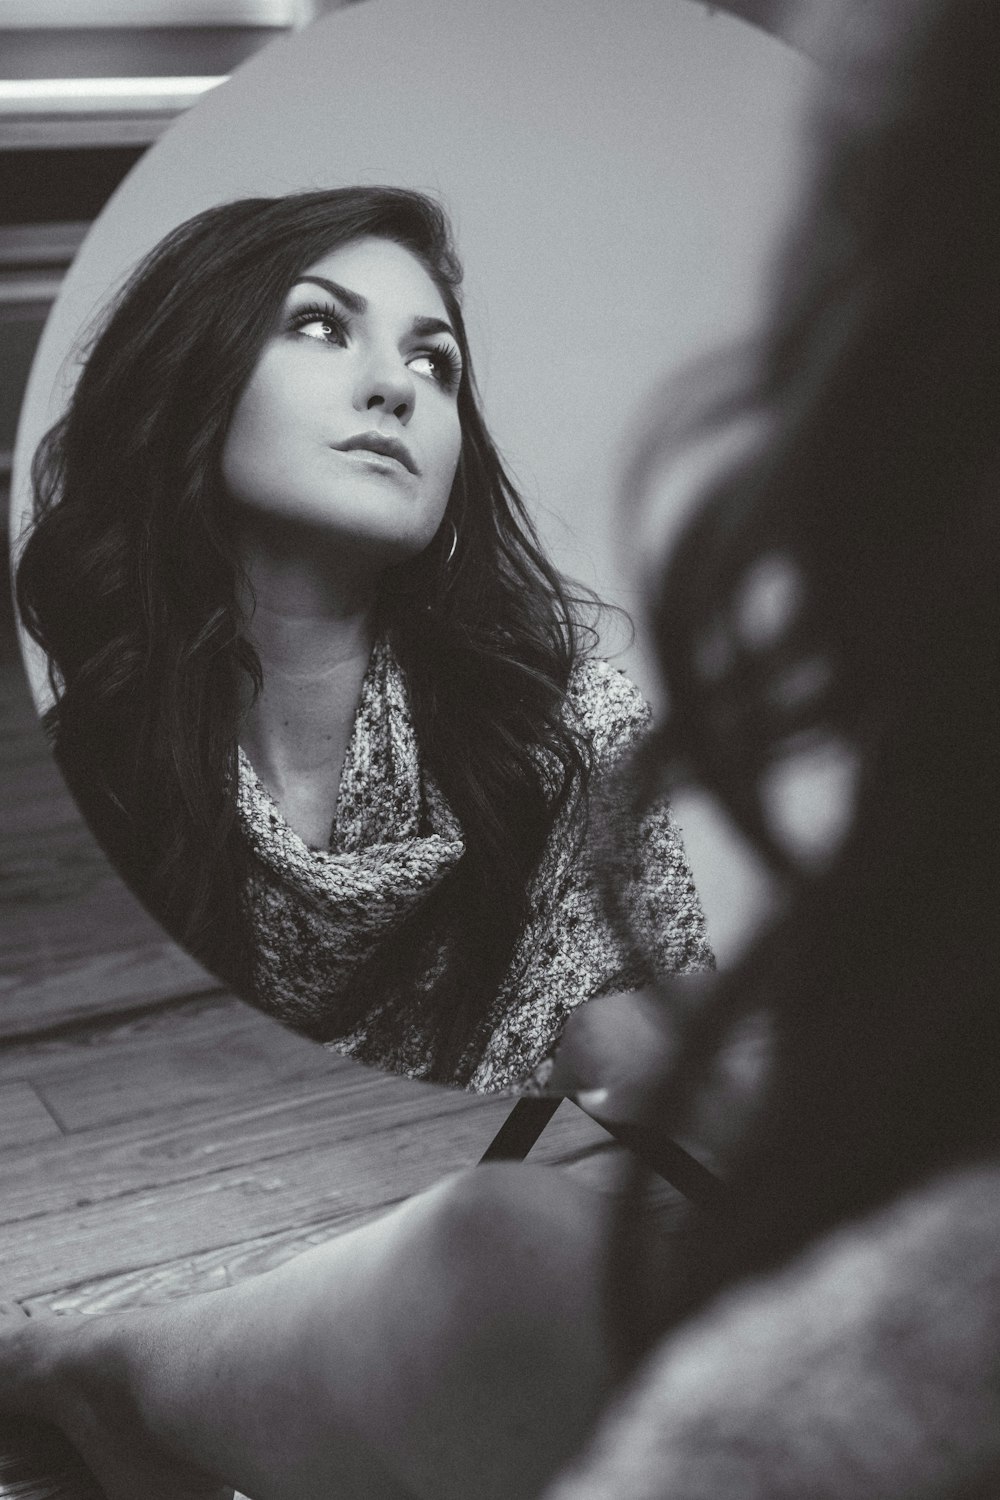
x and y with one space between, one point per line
445 361
327 317
447 365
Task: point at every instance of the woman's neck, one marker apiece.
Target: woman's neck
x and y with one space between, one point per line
313 637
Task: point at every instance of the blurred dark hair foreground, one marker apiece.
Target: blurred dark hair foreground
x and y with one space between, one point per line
872 494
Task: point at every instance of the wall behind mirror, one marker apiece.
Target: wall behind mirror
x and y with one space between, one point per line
614 173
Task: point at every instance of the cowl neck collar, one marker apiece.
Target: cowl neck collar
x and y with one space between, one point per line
333 953
318 915
385 797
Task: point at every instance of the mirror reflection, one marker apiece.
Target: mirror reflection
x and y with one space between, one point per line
355 744
505 1333
320 692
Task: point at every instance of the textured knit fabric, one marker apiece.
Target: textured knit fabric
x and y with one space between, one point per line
319 917
869 1369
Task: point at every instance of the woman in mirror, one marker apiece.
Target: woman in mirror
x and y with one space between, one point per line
319 692
829 1327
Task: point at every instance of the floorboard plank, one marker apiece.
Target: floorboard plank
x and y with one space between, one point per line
223 1208
76 942
205 1049
279 1124
577 1147
24 1120
209 1271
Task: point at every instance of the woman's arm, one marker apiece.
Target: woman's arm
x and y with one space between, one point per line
572 949
451 1348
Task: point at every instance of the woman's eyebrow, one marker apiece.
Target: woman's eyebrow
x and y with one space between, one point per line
422 327
355 303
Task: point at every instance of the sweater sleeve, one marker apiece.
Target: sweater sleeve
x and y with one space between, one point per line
641 858
869 1367
572 949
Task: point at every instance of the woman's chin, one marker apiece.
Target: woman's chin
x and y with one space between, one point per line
313 536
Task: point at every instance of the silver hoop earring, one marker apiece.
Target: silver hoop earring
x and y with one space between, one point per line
454 543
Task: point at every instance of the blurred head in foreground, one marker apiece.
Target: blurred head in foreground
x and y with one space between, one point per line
834 593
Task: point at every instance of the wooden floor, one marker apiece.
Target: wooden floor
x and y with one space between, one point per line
157 1136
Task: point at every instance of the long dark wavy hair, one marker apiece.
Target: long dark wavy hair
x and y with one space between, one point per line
875 489
129 580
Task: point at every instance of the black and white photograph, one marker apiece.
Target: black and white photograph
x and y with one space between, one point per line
499 727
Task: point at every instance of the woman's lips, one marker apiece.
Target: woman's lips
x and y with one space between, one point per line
378 445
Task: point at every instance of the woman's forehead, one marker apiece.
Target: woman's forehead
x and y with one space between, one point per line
377 270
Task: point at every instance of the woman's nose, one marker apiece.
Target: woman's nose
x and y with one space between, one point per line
386 385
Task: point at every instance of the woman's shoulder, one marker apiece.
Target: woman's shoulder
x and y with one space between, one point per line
607 706
877 1345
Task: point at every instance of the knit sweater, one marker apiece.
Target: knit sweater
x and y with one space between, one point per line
867 1369
319 917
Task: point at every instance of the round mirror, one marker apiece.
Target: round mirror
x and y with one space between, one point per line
317 685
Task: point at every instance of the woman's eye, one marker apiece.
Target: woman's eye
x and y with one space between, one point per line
317 330
321 325
439 365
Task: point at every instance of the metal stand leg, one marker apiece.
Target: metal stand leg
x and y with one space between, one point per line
520 1130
